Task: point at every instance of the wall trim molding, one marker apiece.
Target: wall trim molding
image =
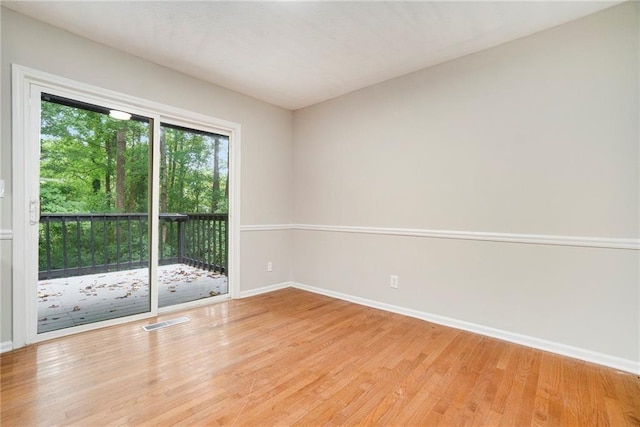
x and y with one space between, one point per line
265 227
6 234
534 239
538 239
614 362
6 346
265 289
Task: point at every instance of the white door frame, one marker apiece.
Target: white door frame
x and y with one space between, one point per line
27 84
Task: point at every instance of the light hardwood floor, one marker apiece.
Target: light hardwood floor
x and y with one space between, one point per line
292 357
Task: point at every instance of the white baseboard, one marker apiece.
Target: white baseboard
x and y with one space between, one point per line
6 346
626 365
265 289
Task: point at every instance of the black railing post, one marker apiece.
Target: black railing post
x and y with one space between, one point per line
180 242
65 264
47 229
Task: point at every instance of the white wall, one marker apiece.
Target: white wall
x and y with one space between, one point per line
266 135
536 136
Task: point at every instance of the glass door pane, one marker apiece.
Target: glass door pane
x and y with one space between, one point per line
194 194
94 222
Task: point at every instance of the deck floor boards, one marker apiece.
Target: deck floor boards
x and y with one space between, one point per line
73 301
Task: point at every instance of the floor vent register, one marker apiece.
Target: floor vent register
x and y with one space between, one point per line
166 323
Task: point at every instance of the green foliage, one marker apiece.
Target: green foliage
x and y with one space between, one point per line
79 162
58 196
78 151
190 172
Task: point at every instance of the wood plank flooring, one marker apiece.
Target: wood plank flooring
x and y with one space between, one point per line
295 358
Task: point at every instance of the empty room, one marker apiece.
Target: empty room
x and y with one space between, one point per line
320 213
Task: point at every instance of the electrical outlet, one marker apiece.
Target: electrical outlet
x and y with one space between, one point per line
393 281
269 266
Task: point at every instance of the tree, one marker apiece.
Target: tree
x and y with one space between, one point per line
121 146
163 170
216 174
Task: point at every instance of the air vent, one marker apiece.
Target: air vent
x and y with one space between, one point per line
165 324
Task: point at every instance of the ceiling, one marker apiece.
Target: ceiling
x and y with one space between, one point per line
298 53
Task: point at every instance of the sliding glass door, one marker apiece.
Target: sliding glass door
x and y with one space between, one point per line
93 238
94 222
121 207
194 195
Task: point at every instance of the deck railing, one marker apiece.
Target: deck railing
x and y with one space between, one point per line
79 244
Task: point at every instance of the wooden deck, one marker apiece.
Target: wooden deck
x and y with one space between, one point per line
292 357
79 300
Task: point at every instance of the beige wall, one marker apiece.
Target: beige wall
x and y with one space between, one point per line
537 136
266 134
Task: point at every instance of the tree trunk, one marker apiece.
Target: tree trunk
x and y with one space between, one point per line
216 175
132 193
182 170
163 179
163 171
108 148
172 168
121 145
